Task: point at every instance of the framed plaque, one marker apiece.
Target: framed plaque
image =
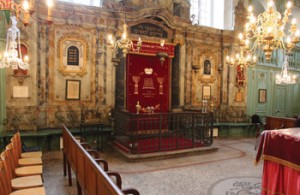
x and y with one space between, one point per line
73 89
206 92
262 95
20 91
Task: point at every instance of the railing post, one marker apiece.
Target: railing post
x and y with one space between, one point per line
160 131
134 122
193 130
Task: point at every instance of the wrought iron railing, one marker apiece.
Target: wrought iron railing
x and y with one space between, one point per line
144 133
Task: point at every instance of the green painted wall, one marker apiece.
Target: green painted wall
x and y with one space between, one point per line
2 72
282 100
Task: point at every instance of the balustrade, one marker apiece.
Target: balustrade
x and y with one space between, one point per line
143 133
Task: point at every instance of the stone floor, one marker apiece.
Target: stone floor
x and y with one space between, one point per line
189 175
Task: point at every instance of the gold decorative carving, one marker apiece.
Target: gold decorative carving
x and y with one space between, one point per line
83 46
161 80
148 83
207 55
136 80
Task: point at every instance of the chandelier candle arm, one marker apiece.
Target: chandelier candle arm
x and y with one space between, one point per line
124 43
49 15
266 32
243 58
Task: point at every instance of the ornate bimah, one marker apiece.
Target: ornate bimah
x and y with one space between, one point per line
147 125
280 151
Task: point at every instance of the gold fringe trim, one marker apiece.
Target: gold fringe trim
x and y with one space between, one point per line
272 192
282 162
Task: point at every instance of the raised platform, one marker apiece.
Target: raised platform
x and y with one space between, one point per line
165 154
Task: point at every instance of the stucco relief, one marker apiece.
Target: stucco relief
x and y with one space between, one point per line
63 44
207 74
65 64
205 60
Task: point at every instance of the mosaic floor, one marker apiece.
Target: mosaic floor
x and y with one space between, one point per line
189 175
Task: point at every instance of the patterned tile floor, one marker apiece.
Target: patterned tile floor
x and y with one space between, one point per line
189 175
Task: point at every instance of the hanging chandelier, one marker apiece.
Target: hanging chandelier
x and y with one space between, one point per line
26 9
124 43
267 31
12 56
243 58
285 77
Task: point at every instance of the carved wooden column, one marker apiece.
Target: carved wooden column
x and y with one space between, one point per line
175 92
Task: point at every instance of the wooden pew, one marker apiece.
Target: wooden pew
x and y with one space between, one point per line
91 178
273 122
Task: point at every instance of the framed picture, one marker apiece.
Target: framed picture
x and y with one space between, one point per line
206 92
73 89
262 95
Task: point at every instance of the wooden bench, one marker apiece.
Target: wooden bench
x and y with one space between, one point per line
90 177
273 122
46 138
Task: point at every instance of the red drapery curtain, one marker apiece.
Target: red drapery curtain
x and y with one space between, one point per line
147 83
280 179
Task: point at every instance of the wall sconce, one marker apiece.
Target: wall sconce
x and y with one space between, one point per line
115 61
162 55
196 68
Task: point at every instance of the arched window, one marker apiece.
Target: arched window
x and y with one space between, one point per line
73 56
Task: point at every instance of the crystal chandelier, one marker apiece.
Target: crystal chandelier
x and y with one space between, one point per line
267 31
125 44
284 77
12 55
243 58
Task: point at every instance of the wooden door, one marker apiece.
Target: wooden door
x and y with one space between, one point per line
280 98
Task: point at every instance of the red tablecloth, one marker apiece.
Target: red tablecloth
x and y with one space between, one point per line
280 150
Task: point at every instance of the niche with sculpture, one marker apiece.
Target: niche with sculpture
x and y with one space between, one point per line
240 83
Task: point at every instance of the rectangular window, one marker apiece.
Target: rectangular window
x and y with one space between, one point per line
97 3
208 13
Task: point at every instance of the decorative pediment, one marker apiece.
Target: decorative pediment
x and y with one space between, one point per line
149 29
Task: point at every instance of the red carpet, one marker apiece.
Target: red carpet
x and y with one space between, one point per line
157 145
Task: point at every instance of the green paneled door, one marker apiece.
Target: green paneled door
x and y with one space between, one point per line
280 101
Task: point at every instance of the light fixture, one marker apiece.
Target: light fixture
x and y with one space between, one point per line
267 31
243 58
125 44
26 8
12 55
162 55
285 77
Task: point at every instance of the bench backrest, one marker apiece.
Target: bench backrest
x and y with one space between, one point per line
90 176
273 122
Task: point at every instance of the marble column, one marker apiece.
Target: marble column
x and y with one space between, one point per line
175 92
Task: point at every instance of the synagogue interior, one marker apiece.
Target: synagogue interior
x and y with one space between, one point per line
149 97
